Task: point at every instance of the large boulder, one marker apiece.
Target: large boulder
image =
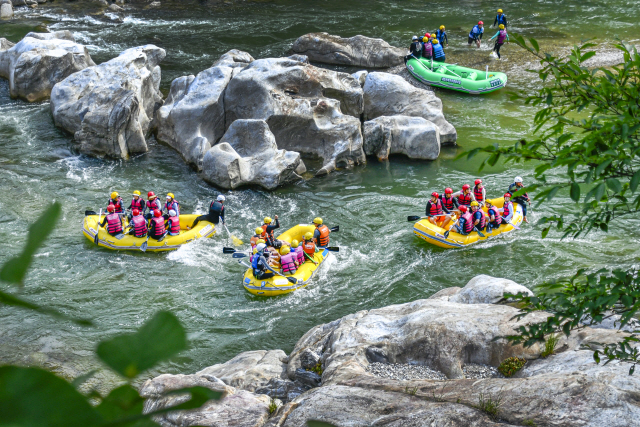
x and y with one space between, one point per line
109 107
414 137
485 289
39 61
249 155
357 51
390 95
309 110
6 9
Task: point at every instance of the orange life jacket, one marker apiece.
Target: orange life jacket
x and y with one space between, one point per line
309 247
323 240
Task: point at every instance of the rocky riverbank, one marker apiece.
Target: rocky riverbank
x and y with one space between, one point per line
425 362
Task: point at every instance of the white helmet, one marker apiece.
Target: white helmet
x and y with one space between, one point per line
518 179
414 38
220 198
260 247
172 213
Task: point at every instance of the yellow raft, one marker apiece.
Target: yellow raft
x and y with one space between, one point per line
435 235
278 285
128 242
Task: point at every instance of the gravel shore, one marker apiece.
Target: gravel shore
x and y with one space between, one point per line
400 371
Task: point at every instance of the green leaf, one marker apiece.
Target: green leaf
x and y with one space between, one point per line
587 56
602 166
15 269
635 180
123 406
10 299
614 185
575 191
77 382
545 232
32 397
157 340
596 356
316 423
534 43
632 369
599 193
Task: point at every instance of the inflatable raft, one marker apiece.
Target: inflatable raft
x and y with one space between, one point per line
279 285
456 77
433 234
128 242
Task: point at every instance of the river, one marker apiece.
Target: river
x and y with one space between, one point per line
380 261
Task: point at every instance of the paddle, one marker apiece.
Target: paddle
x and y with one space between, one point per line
228 250
233 238
412 218
332 248
446 233
335 229
478 231
163 236
239 255
512 224
95 239
87 213
143 247
290 279
310 259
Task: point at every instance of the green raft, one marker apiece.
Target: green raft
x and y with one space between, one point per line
451 76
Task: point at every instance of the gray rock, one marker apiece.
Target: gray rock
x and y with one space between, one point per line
109 107
155 4
446 293
39 61
250 370
115 8
308 378
357 51
390 95
360 76
285 390
309 359
485 289
6 10
31 3
414 137
249 155
308 109
235 59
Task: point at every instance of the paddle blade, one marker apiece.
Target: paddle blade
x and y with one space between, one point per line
95 239
333 248
143 247
514 226
239 255
236 241
292 280
228 250
412 218
479 232
87 213
446 234
163 236
334 229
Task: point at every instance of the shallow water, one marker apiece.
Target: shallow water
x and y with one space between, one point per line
380 261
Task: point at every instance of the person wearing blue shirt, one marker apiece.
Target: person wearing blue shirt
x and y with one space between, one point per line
500 19
438 52
441 35
476 34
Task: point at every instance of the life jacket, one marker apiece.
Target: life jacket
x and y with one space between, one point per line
464 199
288 263
173 205
137 204
159 225
440 36
438 51
501 36
496 214
323 239
254 240
268 237
506 211
118 204
114 225
483 220
475 32
215 208
501 19
174 225
309 248
300 254
154 204
254 264
435 208
427 49
274 259
468 222
139 226
478 193
447 202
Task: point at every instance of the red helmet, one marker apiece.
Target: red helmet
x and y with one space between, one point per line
111 208
480 23
427 35
463 208
507 195
466 187
136 212
448 191
478 181
151 194
435 194
157 213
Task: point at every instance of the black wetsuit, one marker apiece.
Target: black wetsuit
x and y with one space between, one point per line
216 212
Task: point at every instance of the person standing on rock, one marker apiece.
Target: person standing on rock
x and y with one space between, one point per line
152 204
415 50
501 19
523 199
475 35
441 35
216 212
438 52
500 37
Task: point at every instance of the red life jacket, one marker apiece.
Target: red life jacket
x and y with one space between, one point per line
288 263
478 193
496 214
309 247
300 254
447 202
174 225
114 225
118 204
464 199
159 223
436 208
483 220
506 211
139 226
468 222
137 204
173 205
323 239
154 204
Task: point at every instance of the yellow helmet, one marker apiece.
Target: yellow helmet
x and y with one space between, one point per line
136 193
442 27
474 203
435 41
255 251
260 241
501 26
114 195
499 10
308 236
285 250
259 230
425 39
267 220
317 221
294 243
171 195
433 35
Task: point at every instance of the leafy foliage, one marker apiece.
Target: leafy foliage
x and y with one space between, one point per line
550 345
317 368
511 365
490 405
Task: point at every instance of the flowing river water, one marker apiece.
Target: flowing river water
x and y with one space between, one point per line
380 261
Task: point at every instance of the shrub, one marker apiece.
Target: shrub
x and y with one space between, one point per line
317 369
511 365
550 345
489 404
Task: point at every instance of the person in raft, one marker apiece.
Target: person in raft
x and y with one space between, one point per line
216 212
138 224
157 229
501 19
523 199
308 247
259 265
475 35
427 48
321 233
448 201
465 197
136 203
268 228
479 192
441 35
116 201
171 204
494 217
465 222
288 260
436 212
299 251
415 50
112 220
438 51
479 220
173 223
507 209
500 37
152 204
